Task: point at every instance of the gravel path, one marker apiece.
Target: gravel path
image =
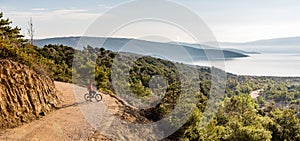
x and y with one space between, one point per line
255 94
77 119
66 123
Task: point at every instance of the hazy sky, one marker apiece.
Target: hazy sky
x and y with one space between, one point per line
230 20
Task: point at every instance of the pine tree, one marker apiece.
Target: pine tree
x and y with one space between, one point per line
9 34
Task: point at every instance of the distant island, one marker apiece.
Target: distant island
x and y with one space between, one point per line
171 50
278 45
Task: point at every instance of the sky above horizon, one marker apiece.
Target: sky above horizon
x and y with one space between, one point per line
230 21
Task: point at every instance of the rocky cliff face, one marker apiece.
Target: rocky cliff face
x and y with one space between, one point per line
24 94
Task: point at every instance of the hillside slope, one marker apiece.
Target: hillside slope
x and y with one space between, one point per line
24 94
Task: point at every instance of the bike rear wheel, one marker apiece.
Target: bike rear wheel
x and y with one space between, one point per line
87 97
98 97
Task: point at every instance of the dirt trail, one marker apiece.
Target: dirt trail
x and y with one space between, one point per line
77 119
255 94
66 123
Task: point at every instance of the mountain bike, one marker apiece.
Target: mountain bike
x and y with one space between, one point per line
88 96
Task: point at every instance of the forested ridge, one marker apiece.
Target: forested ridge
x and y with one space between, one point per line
274 115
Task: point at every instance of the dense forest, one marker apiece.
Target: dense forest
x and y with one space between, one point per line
273 115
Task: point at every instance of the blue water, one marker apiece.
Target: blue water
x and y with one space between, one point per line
263 65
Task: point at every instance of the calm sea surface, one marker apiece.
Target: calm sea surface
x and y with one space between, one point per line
263 65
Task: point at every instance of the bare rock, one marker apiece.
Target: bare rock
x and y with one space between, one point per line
24 94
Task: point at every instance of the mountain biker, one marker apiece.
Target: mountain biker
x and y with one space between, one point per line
91 89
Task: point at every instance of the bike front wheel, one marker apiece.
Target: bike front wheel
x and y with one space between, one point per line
98 97
87 97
